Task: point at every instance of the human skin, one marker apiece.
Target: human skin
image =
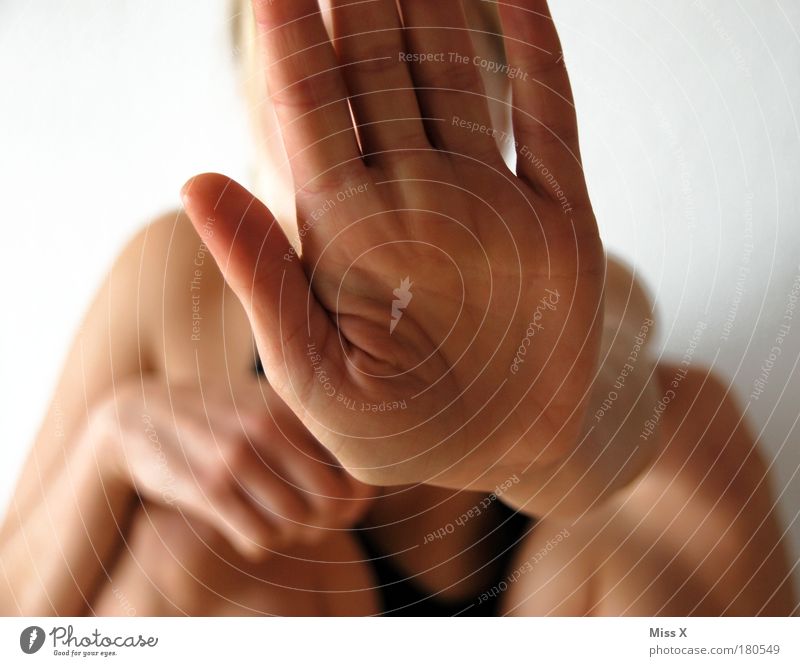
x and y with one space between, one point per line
117 551
127 441
431 199
152 554
707 501
696 534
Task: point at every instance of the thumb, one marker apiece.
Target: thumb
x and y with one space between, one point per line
265 273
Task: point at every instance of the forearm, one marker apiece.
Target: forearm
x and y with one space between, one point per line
55 551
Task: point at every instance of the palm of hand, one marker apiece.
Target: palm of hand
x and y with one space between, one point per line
442 322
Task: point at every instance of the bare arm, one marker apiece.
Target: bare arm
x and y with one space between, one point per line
67 514
122 432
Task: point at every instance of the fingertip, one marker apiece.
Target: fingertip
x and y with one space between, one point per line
203 188
186 190
216 205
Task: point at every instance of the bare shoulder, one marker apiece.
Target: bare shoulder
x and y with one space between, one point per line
704 423
183 302
156 260
695 534
626 297
170 254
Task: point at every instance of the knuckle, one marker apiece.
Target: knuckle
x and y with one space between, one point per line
303 95
375 58
459 77
407 137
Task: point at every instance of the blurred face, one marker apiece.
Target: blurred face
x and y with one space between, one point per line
273 181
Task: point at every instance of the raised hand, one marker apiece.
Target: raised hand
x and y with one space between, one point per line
440 321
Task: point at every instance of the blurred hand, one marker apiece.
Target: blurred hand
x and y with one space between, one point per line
442 322
245 466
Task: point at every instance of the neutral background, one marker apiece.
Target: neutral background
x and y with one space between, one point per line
690 134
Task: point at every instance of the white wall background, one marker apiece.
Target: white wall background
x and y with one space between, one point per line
690 133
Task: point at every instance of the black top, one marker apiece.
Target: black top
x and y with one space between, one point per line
401 596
